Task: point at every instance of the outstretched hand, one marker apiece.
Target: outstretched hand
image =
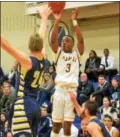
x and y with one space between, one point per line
44 12
75 14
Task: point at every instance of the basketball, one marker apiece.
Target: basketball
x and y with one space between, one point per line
57 7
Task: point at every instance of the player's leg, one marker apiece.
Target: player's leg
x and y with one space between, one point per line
67 128
69 115
32 113
58 111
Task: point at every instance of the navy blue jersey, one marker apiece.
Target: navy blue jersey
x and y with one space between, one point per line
104 131
30 80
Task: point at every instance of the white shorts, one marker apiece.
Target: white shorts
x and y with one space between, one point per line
63 108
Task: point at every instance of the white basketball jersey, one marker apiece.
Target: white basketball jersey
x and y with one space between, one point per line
67 68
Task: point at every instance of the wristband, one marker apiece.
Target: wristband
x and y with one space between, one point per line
75 23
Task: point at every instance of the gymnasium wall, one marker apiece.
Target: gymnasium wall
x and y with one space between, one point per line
16 28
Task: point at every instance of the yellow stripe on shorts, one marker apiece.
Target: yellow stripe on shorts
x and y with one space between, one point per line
19 113
19 107
20 126
19 119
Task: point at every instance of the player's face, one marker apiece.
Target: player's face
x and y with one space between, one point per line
84 125
67 44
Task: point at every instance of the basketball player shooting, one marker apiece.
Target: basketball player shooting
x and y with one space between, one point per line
67 70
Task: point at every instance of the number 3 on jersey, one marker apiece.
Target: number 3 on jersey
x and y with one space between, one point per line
68 66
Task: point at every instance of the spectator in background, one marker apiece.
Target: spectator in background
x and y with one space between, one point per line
13 74
1 74
85 89
47 90
101 91
52 71
115 90
108 121
109 63
7 98
92 66
45 124
108 109
3 119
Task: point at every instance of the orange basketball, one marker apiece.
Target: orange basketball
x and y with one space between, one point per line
57 7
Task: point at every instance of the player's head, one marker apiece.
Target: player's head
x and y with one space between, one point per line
35 43
84 124
67 43
90 108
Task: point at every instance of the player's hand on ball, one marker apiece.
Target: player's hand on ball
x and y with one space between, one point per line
74 14
57 16
44 12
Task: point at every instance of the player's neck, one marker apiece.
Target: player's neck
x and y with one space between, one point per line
36 54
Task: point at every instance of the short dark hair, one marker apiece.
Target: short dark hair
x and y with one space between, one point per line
101 75
70 37
106 49
35 43
92 107
108 116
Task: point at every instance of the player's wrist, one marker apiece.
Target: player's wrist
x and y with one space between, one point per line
75 23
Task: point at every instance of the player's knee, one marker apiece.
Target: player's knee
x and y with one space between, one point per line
67 128
57 127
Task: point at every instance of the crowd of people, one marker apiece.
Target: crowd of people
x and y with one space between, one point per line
98 90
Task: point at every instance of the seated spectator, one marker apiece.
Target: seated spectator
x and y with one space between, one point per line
1 92
108 109
47 90
3 119
92 66
102 90
52 72
108 121
115 90
13 74
45 124
7 98
109 63
83 131
85 89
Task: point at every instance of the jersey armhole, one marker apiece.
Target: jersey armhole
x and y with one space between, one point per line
57 55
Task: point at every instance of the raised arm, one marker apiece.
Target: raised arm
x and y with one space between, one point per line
80 44
54 34
20 56
78 108
44 14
